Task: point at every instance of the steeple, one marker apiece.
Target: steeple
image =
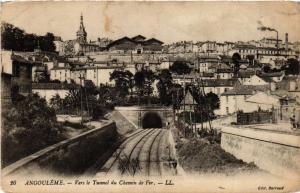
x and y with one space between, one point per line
81 33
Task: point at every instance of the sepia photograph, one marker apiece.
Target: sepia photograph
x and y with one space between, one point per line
150 96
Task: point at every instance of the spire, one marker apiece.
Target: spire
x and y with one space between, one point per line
81 22
81 33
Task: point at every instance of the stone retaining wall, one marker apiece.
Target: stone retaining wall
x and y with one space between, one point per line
278 153
71 156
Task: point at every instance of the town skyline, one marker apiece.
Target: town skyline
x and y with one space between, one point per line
158 20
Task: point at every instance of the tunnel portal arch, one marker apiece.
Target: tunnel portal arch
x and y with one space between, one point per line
152 120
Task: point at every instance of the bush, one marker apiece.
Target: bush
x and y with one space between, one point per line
28 126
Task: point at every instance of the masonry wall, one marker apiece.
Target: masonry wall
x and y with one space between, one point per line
49 93
278 153
72 156
132 114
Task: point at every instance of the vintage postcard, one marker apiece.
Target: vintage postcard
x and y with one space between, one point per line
150 96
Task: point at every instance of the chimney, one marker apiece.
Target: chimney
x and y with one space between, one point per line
286 41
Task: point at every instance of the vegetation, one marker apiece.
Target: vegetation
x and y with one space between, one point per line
29 125
236 58
292 67
82 98
164 87
143 82
180 68
16 39
123 82
201 156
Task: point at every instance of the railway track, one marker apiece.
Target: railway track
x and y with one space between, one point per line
144 148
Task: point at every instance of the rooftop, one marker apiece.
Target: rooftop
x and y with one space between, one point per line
219 82
246 90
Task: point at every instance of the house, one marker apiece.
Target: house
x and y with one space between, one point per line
245 75
235 99
205 63
261 100
49 90
224 73
218 86
253 80
188 103
209 47
272 77
59 45
137 45
16 75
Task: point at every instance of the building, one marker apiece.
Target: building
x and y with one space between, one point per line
224 73
49 90
253 80
80 45
218 86
261 100
137 45
16 75
59 45
235 99
266 50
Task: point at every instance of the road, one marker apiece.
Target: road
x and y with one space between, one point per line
145 152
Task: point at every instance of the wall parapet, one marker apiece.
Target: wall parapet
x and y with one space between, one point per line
278 153
72 155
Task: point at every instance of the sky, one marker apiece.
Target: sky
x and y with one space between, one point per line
166 21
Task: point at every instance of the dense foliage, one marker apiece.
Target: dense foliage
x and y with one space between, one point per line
28 126
292 67
180 68
16 39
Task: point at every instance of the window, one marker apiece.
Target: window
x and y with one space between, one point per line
245 97
226 89
227 110
227 99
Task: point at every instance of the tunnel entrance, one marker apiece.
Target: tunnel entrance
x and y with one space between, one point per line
151 120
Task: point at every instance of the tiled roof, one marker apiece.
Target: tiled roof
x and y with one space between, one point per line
246 90
219 82
207 74
55 86
224 70
246 74
188 99
266 78
272 74
23 60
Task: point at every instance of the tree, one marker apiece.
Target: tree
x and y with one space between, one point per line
123 81
180 68
11 37
28 126
56 102
266 69
177 95
47 42
143 82
164 87
236 58
291 67
16 39
213 101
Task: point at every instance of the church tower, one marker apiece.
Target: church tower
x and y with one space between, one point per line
81 33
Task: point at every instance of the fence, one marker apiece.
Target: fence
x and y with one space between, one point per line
256 117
